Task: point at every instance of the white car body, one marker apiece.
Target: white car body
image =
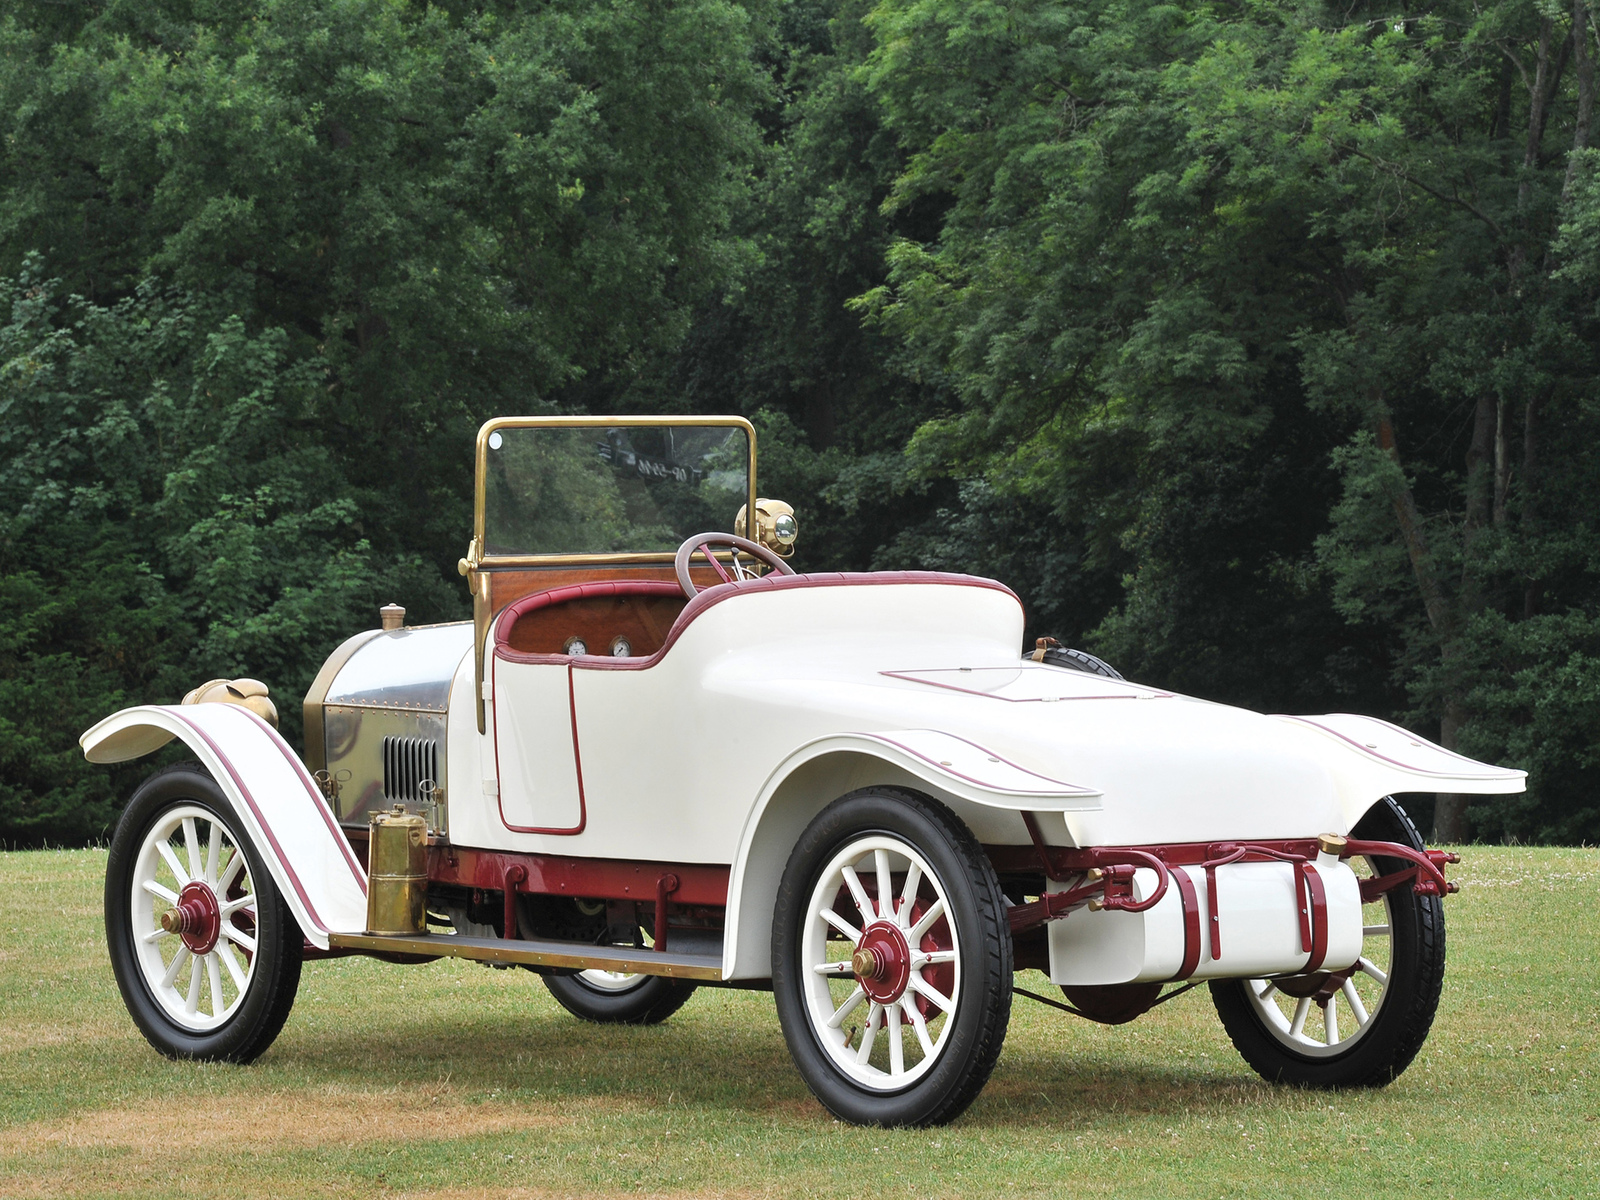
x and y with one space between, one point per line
757 772
775 696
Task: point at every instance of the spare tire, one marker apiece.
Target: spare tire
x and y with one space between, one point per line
1056 655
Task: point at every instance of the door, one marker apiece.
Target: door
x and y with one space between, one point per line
541 790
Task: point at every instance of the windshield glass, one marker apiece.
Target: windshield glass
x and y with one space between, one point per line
611 489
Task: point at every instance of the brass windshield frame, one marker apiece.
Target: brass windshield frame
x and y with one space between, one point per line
477 565
523 561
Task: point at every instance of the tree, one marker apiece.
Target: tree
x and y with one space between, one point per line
270 266
1301 271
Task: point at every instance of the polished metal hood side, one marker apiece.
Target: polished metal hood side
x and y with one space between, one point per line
381 731
403 669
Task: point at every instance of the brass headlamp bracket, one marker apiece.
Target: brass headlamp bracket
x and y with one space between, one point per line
775 526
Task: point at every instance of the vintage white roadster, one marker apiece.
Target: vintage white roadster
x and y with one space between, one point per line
641 769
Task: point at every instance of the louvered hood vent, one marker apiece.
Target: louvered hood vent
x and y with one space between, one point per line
408 763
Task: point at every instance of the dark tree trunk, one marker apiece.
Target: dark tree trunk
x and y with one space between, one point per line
1485 503
1449 822
820 422
1450 808
1488 438
1583 66
1534 590
1502 464
1410 522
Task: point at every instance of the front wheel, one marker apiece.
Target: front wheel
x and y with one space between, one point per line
891 960
1360 1027
205 951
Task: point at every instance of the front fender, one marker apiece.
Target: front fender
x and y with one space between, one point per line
273 796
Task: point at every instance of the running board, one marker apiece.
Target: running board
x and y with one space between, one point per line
628 960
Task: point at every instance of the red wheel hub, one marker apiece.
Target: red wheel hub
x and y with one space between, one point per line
197 919
940 976
882 962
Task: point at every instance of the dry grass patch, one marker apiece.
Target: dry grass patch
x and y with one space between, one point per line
17 1036
520 1193
329 1117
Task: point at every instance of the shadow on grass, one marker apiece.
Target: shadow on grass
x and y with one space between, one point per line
360 1026
730 1055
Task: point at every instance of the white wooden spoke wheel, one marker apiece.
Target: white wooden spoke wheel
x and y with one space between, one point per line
891 960
1326 1013
1358 1027
193 901
206 954
884 963
615 982
611 981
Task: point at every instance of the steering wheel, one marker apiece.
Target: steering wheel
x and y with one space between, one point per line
700 541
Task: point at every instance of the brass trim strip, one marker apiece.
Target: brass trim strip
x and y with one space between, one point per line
535 562
480 637
316 756
625 960
420 710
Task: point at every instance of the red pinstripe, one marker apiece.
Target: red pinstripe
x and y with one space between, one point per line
249 799
318 800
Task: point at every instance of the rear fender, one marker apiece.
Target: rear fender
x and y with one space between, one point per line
987 793
273 797
1368 759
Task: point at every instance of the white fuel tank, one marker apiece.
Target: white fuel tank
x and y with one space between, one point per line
1258 911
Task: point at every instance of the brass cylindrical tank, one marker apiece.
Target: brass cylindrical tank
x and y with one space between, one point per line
397 873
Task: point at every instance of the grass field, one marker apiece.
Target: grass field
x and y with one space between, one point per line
454 1080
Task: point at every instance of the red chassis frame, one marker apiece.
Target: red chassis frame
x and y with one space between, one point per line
1107 880
1108 872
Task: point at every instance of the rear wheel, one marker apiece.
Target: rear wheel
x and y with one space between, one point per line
1359 1027
891 960
612 998
205 951
605 997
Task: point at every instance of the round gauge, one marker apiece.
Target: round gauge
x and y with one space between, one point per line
574 645
621 647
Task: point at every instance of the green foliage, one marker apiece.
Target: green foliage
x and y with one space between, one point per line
1254 346
164 524
270 265
1325 280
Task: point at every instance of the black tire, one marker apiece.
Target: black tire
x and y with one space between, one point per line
603 997
254 1018
969 1039
1398 1026
648 1000
1077 660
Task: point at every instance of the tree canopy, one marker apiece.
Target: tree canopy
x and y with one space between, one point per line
1252 344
